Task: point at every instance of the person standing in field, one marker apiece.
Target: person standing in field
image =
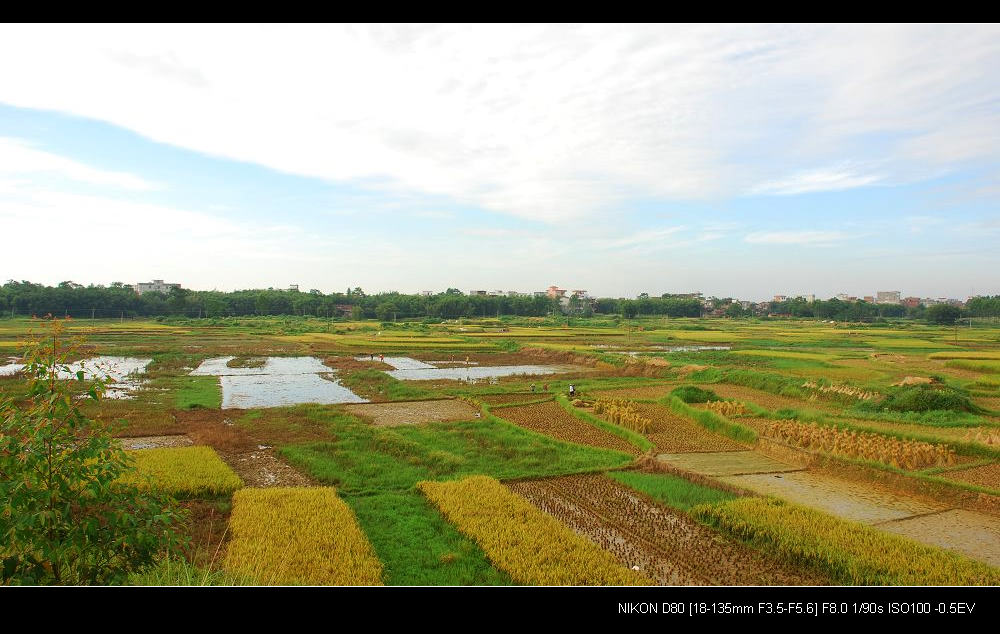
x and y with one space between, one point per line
572 391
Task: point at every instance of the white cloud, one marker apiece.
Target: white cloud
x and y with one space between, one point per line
652 237
819 180
17 157
812 238
542 122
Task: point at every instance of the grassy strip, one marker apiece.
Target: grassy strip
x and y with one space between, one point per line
186 472
990 367
532 547
299 535
369 460
417 546
850 552
671 490
377 385
633 438
766 382
711 421
192 392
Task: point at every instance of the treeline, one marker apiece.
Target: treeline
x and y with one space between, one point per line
988 306
117 299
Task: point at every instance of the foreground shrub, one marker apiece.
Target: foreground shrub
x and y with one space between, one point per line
852 553
695 394
530 546
289 536
922 398
72 510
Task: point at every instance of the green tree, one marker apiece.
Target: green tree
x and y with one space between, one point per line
943 314
71 511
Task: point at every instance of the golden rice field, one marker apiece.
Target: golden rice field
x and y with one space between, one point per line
184 471
532 547
299 536
903 454
852 553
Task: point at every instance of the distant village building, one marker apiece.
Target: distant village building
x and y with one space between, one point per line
811 297
426 293
911 302
293 288
842 297
156 286
780 298
477 292
887 297
555 292
870 299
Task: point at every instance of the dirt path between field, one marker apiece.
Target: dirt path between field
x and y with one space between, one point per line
664 543
257 464
976 535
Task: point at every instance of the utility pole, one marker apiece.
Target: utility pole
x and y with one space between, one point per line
91 314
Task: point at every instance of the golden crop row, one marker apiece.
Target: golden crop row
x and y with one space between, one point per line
184 471
309 536
846 390
855 554
727 408
530 546
903 454
624 413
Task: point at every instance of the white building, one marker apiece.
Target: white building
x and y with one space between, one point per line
156 286
887 297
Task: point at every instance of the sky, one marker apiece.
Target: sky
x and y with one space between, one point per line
735 160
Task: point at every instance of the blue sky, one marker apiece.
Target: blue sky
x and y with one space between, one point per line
739 161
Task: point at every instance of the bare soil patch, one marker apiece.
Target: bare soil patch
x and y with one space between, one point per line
414 412
673 433
552 420
511 397
262 468
984 476
664 543
155 442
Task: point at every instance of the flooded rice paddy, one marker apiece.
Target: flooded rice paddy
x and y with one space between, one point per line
120 374
279 382
407 369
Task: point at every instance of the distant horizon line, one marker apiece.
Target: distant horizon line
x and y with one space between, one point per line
499 292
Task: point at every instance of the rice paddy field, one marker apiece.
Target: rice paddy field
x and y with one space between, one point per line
690 451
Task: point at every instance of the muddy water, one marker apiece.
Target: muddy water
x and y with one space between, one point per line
120 374
842 498
726 463
972 534
281 381
976 535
